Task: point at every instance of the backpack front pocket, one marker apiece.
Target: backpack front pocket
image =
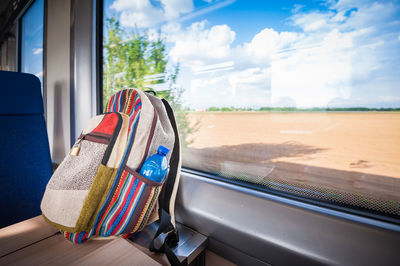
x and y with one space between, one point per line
76 187
131 205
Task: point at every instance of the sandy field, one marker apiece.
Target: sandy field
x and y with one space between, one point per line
355 152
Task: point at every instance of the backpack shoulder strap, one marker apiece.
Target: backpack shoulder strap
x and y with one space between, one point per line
167 235
168 193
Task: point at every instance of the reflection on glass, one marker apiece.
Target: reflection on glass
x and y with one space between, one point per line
32 40
301 98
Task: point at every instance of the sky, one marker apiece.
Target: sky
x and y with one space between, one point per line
32 40
276 53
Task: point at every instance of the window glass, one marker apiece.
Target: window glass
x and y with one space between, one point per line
32 40
301 97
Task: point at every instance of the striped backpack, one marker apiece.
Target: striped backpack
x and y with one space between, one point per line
97 190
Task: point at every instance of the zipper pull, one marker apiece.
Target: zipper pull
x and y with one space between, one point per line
76 148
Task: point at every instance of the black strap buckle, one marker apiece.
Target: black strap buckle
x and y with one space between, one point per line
172 238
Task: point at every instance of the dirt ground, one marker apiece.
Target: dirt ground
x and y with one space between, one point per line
354 151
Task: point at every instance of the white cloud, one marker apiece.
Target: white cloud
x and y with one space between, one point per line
247 88
250 81
37 51
267 43
39 74
224 66
197 44
296 8
312 22
143 14
312 77
349 48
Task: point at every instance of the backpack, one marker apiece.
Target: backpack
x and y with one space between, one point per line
97 190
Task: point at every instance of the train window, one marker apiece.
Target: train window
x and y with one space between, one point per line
298 99
31 42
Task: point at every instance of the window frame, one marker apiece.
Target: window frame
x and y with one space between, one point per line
19 34
44 53
345 208
99 13
261 227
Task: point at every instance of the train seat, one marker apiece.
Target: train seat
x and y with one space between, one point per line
25 162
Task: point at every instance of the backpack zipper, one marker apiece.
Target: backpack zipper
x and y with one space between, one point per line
95 137
76 148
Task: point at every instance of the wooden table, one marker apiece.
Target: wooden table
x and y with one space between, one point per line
34 242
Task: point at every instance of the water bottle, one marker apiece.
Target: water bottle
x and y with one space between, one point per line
155 168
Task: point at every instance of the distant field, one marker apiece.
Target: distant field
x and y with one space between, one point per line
354 151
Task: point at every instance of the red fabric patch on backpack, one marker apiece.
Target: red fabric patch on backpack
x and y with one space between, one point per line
108 124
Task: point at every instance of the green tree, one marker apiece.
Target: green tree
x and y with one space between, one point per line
132 60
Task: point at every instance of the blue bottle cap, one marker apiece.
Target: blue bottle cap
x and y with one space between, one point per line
163 150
